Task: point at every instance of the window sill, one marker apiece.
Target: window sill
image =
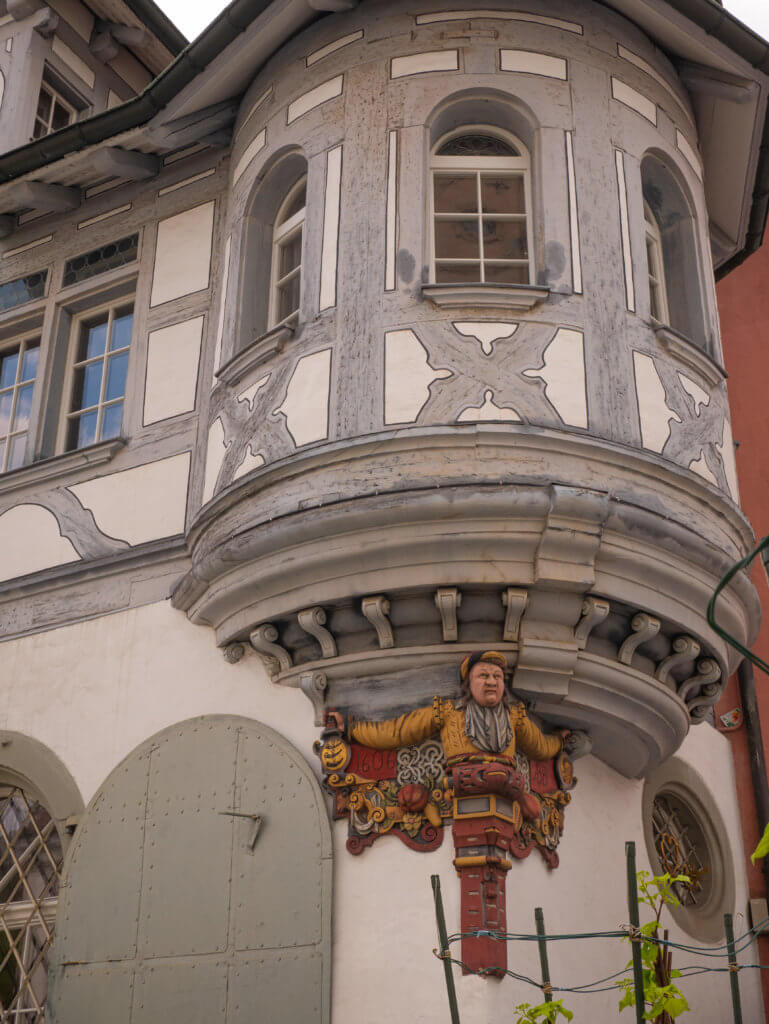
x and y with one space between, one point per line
37 473
490 296
259 351
689 353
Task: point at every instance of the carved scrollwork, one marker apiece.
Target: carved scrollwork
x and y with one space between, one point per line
685 648
376 609
425 764
515 601
447 600
276 658
644 627
313 621
708 671
698 708
233 653
314 686
594 611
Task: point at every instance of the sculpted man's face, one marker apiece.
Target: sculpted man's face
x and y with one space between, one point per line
487 684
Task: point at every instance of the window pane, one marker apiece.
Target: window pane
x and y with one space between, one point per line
456 193
477 145
44 105
16 451
501 273
23 289
112 421
290 255
87 385
298 203
121 330
503 194
6 404
61 117
456 239
8 364
29 364
116 375
2 467
505 240
23 407
93 339
288 297
82 431
457 273
40 129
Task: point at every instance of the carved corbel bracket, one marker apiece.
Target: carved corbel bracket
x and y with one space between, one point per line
698 708
544 667
313 621
376 609
314 686
447 600
515 601
276 658
594 611
685 648
571 537
644 628
706 680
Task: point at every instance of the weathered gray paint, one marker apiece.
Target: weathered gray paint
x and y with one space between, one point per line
169 910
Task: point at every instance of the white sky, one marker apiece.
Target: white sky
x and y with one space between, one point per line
192 18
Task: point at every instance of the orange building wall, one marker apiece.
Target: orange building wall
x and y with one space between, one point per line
743 299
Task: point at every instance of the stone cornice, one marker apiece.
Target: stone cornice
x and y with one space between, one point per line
37 474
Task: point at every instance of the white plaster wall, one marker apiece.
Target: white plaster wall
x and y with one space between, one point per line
94 691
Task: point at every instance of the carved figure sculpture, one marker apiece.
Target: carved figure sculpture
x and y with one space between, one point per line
495 773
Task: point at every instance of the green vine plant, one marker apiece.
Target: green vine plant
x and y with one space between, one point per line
543 1013
663 1000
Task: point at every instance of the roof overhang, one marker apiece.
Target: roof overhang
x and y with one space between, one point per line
723 64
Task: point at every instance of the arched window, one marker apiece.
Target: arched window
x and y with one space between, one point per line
658 293
286 274
480 208
675 292
31 856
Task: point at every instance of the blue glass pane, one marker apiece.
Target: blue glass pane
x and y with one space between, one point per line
87 386
2 456
94 340
24 289
6 403
116 374
121 331
112 421
8 364
16 451
86 430
29 364
23 407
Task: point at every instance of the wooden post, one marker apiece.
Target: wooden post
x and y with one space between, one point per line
635 924
539 917
445 951
733 969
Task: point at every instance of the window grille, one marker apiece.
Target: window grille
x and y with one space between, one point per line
682 848
18 369
98 261
23 289
30 871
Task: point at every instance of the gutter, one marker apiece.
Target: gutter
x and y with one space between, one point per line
161 26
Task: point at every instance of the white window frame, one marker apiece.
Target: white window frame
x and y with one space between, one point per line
22 340
284 233
67 412
479 164
56 97
656 273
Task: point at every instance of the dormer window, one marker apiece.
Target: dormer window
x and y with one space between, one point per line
57 106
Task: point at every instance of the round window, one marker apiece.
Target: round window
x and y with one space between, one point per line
685 835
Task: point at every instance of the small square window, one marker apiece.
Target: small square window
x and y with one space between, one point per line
58 105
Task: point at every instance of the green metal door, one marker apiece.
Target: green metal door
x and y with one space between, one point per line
198 886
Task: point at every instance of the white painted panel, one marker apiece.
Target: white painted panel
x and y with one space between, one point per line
528 62
488 411
642 105
249 462
2 87
392 210
215 452
408 376
173 356
564 376
640 63
653 410
726 451
329 48
104 216
183 254
30 540
486 332
140 504
105 186
248 395
312 99
27 246
701 466
423 63
625 230
330 251
255 106
222 306
576 255
73 62
306 403
698 395
536 19
689 152
9 44
186 181
254 147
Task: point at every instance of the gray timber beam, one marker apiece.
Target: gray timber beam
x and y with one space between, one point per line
39 195
125 163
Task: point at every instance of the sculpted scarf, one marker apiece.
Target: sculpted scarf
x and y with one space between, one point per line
488 729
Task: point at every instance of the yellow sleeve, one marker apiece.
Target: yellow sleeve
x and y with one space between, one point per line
533 741
413 727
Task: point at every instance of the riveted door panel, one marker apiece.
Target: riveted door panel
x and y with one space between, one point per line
181 993
188 840
102 923
91 994
284 865
263 980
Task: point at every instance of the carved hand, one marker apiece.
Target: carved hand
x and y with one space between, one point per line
334 718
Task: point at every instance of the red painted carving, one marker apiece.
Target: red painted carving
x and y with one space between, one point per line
542 777
372 764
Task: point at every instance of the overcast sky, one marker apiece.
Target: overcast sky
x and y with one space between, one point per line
192 18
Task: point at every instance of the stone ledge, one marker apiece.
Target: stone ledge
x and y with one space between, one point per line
489 296
259 351
37 473
689 354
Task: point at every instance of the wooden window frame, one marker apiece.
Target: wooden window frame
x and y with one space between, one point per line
656 273
21 340
283 233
